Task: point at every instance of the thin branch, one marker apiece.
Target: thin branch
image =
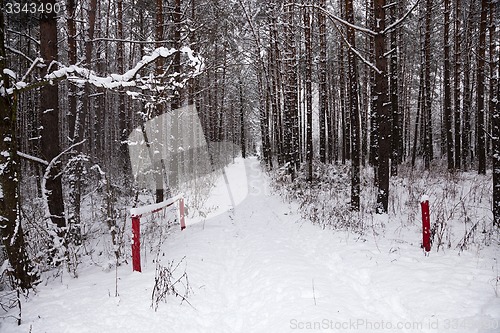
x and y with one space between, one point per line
34 63
37 42
340 20
132 41
46 175
32 158
399 21
356 51
19 53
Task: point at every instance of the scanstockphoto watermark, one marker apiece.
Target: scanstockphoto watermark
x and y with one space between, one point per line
362 324
353 324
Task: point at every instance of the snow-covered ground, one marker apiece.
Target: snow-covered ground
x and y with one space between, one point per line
260 268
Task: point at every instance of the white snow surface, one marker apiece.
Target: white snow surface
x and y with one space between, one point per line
260 268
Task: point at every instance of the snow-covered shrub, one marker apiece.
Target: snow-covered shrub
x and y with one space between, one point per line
460 203
460 206
324 200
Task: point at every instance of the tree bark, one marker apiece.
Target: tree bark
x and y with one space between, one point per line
323 88
290 93
49 107
481 130
308 92
456 88
496 152
427 104
448 116
396 121
11 229
353 110
382 108
159 71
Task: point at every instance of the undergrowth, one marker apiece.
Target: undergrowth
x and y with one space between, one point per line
460 203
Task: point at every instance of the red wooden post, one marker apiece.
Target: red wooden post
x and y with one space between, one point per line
181 209
426 223
136 243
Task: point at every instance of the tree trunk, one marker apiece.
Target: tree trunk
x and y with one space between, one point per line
290 93
467 94
308 92
353 110
448 116
481 130
159 71
396 121
49 107
323 88
456 88
11 229
243 142
382 108
124 159
373 160
74 119
427 104
496 152
176 102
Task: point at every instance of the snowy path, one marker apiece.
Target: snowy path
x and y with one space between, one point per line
262 269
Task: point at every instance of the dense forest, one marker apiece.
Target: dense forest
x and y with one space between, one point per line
374 84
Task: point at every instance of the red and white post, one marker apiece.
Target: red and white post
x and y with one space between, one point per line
139 212
136 243
426 223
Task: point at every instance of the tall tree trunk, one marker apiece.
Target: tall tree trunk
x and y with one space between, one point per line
448 116
243 142
176 101
496 152
331 119
456 88
11 229
308 92
346 147
275 70
264 119
417 125
159 71
373 160
382 108
396 121
72 58
74 120
323 88
290 93
481 130
353 110
49 107
493 62
124 160
427 104
467 94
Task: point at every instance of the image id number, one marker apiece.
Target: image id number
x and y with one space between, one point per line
31 8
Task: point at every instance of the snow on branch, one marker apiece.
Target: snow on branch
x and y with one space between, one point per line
128 79
46 174
398 22
368 63
32 158
391 27
334 17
